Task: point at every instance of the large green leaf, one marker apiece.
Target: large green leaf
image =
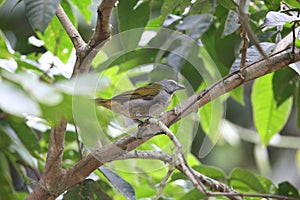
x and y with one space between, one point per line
38 90
16 145
252 55
211 172
130 59
268 118
241 178
238 95
26 134
40 12
285 82
55 37
119 183
14 101
132 16
287 189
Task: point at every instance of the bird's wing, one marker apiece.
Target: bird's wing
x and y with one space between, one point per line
146 93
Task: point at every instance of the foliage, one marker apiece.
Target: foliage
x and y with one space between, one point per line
197 42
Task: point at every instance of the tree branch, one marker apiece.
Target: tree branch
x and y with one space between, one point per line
122 146
72 32
209 182
98 39
188 171
229 83
64 179
168 158
54 179
49 185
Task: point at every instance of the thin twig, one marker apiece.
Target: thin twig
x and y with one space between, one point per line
244 48
164 183
155 155
170 159
223 189
244 20
79 143
179 154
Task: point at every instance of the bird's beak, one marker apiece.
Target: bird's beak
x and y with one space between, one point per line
180 87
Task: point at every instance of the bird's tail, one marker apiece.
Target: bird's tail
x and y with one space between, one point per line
103 102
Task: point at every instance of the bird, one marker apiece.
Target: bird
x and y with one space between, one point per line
143 102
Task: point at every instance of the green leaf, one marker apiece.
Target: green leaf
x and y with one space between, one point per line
40 12
277 19
268 118
37 89
231 24
83 8
84 84
131 17
273 4
8 64
5 139
131 59
26 134
6 189
55 113
228 4
16 144
119 183
238 95
169 6
196 24
6 50
246 177
252 55
288 190
14 101
268 185
284 84
224 56
194 194
55 37
211 172
87 189
293 3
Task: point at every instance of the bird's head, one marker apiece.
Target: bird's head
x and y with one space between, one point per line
171 86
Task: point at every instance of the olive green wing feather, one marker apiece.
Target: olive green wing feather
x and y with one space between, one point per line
146 93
